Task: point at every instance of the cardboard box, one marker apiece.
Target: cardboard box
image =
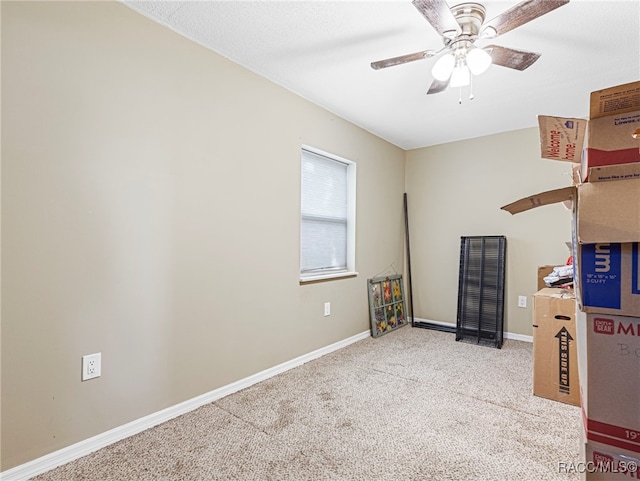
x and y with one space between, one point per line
606 227
615 100
607 278
612 141
605 463
609 211
607 145
555 358
605 211
609 369
610 149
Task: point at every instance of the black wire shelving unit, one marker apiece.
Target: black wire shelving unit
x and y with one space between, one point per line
481 289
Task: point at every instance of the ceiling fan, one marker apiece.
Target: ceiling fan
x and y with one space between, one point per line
460 26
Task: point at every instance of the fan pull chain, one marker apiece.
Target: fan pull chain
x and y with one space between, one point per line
471 96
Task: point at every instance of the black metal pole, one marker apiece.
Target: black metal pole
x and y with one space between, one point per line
406 228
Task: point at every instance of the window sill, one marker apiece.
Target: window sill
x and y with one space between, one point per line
327 277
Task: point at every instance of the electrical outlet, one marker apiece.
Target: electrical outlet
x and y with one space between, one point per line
91 366
522 301
327 308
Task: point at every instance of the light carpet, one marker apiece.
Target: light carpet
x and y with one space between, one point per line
413 404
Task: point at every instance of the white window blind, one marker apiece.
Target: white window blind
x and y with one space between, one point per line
324 214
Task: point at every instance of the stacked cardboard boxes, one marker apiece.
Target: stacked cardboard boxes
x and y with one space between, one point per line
606 239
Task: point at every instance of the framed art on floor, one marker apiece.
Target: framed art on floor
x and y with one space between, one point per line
386 304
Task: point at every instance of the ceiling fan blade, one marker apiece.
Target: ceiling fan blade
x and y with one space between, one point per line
411 57
520 14
438 86
511 58
438 14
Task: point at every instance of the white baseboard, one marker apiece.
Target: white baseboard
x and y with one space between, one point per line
518 337
50 461
507 335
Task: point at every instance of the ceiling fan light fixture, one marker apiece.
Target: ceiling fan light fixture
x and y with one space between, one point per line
443 67
460 76
478 61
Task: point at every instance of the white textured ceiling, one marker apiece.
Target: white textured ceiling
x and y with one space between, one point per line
321 50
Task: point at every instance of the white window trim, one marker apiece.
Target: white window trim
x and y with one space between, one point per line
350 271
309 278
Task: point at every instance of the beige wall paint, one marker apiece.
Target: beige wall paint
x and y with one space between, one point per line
456 190
150 211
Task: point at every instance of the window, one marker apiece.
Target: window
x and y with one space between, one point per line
327 221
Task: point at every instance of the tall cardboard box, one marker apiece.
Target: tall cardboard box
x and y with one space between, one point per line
555 359
609 367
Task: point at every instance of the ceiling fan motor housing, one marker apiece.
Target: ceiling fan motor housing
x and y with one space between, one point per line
470 17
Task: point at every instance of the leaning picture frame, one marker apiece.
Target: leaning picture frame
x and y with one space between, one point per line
387 306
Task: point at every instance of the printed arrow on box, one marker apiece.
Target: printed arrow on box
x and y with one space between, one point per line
564 337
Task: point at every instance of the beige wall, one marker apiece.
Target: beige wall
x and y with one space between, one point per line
150 211
456 190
